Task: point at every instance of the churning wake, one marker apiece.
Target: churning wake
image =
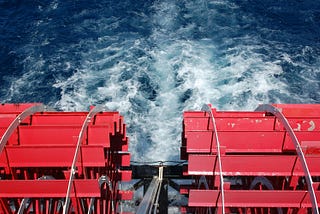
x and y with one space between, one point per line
152 60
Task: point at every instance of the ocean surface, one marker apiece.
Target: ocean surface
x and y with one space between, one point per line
151 60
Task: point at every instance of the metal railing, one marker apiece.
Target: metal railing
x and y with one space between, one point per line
208 109
85 124
277 113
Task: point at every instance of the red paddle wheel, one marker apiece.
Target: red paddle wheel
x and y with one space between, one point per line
267 161
62 162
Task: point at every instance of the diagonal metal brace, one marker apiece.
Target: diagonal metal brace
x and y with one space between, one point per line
150 200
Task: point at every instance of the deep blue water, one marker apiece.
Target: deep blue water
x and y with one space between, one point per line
151 60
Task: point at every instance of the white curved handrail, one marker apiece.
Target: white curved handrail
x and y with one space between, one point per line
15 123
208 109
277 113
85 124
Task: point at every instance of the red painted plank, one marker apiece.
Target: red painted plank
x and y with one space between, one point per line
200 141
301 136
307 202
46 135
124 175
242 165
301 124
230 123
310 147
47 188
197 123
59 118
248 198
251 141
245 124
93 156
264 198
51 156
6 120
239 114
203 198
13 140
313 162
253 165
99 135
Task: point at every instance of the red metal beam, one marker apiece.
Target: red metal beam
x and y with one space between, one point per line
253 165
48 188
235 141
51 156
251 198
248 165
229 121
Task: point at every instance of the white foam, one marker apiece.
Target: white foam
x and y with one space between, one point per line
157 129
185 71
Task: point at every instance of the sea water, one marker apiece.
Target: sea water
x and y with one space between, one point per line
153 59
